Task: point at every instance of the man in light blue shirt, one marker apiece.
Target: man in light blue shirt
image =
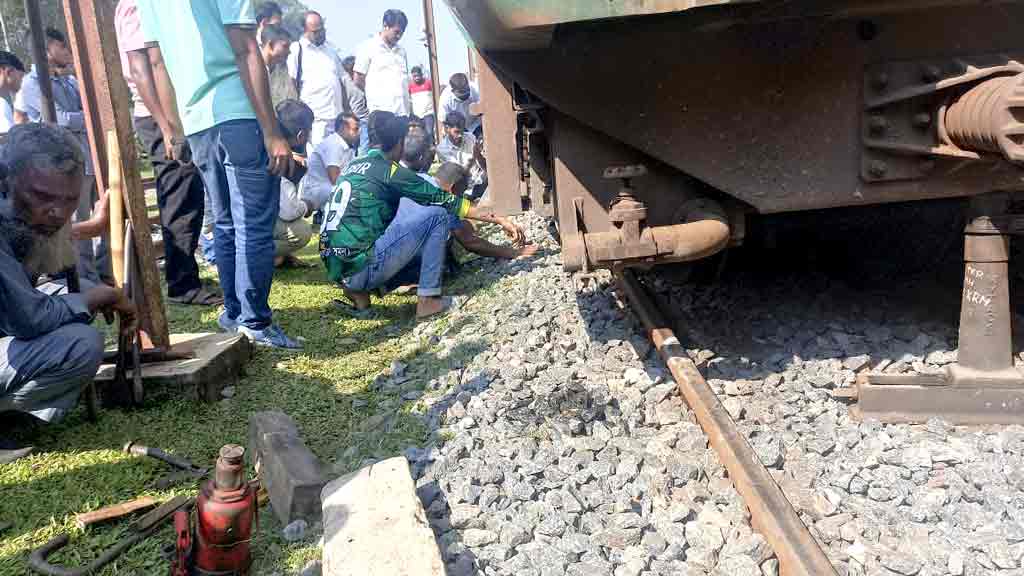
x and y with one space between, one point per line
220 80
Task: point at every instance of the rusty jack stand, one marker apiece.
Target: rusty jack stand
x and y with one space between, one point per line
983 387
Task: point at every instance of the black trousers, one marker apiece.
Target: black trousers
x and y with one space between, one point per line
430 122
179 189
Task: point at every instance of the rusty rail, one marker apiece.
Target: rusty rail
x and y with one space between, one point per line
771 513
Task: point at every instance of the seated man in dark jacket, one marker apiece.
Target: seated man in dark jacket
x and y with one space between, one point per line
384 221
48 351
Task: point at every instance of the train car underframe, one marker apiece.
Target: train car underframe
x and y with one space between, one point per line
650 155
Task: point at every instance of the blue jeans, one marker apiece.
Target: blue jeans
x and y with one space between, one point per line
364 136
413 248
206 236
233 161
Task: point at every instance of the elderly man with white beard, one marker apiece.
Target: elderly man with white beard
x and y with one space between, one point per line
48 351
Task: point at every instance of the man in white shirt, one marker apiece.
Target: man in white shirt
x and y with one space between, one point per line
458 96
291 231
462 148
357 101
11 73
316 69
331 156
382 69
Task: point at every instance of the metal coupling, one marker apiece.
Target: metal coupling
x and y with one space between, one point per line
990 118
704 231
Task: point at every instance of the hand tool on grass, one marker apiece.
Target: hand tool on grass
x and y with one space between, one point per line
186 469
114 512
139 531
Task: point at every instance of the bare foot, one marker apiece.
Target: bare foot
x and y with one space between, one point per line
360 299
431 305
278 261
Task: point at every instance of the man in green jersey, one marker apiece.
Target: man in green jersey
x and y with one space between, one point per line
384 222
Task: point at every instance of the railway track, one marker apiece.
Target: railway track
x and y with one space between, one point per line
771 513
581 455
764 355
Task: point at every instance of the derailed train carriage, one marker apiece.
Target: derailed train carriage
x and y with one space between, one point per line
652 129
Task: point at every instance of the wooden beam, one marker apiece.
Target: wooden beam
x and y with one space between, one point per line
38 38
115 195
435 76
107 105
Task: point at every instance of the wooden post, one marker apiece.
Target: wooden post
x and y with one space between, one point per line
428 16
115 195
471 64
107 106
35 23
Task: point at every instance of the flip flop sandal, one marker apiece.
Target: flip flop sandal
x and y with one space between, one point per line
198 297
450 304
349 309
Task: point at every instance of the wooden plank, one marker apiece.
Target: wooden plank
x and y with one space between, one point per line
114 512
504 187
107 105
115 196
213 362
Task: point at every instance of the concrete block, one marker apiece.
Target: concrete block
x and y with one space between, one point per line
291 474
374 525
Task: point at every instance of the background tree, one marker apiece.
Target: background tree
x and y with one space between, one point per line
294 13
14 32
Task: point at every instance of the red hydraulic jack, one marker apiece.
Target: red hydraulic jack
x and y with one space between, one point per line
983 387
226 514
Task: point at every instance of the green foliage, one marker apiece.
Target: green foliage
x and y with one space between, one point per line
294 11
14 33
327 389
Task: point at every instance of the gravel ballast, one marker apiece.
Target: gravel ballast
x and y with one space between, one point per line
563 446
776 339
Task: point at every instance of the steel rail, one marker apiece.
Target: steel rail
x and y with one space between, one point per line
771 513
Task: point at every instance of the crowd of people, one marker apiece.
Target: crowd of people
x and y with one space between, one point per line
259 142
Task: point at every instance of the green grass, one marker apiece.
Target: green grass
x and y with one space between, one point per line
79 467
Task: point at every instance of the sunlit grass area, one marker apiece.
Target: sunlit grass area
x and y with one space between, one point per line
78 466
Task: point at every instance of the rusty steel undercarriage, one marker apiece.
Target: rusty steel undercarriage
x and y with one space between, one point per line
651 132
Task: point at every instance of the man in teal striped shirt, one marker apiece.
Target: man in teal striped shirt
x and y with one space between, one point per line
220 81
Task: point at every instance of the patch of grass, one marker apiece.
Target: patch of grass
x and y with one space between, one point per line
79 466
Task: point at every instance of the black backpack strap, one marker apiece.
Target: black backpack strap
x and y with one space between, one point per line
298 73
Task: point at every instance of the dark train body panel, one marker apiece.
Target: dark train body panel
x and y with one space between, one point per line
757 107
